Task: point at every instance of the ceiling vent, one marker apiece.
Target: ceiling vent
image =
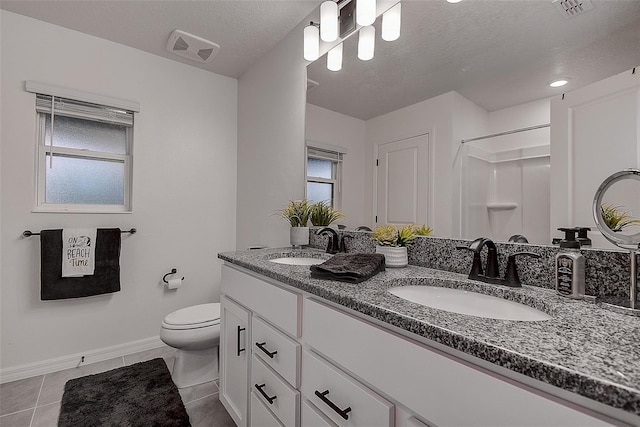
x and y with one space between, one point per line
192 47
573 8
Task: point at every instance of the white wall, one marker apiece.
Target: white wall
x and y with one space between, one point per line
596 132
433 116
271 135
329 127
184 190
271 108
517 117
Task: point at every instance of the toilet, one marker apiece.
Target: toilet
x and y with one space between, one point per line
195 333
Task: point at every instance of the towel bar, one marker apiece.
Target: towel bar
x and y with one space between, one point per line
28 233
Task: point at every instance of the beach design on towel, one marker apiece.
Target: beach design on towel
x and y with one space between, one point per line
78 252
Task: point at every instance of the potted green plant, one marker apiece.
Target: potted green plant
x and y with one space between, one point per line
323 214
422 230
615 219
392 242
297 212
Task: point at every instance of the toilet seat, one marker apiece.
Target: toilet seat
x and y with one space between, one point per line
194 317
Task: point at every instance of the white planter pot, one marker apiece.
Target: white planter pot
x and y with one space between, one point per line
394 256
299 236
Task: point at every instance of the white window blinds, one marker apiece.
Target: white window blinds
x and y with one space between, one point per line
84 110
318 153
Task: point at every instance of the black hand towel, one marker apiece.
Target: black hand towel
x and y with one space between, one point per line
105 279
352 268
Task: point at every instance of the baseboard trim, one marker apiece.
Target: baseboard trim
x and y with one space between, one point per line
74 360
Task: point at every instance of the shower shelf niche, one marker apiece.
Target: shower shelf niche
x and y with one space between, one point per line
501 206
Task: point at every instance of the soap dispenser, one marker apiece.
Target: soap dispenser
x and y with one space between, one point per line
570 272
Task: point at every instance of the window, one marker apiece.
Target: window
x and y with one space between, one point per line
324 172
84 159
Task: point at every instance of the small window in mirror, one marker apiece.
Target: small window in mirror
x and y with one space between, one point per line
324 171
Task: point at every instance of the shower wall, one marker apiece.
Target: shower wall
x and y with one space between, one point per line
506 192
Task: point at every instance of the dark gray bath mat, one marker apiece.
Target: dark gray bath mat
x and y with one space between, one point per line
140 395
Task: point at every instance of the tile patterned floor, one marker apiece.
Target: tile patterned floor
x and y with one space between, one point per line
35 402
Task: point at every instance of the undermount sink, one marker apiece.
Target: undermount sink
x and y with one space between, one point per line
469 303
298 261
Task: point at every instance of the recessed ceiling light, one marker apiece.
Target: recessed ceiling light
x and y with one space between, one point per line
559 82
454 1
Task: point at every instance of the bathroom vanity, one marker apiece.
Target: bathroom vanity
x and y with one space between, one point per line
296 351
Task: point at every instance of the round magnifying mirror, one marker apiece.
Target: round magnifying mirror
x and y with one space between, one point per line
616 208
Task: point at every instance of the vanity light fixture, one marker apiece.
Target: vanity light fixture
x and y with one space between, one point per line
391 23
336 20
366 42
365 12
311 42
334 58
329 21
559 82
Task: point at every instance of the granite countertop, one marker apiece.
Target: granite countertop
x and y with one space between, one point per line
584 348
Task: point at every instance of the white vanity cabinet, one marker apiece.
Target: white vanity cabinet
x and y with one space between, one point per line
437 389
309 363
234 359
271 359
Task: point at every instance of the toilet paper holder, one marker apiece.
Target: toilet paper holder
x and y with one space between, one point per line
173 271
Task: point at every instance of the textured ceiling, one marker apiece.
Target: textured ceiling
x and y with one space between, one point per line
244 29
495 53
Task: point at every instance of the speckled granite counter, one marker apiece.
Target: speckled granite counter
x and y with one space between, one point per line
583 349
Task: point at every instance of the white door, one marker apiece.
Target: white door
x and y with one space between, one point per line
403 181
234 360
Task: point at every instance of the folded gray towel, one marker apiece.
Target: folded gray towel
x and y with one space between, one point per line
352 268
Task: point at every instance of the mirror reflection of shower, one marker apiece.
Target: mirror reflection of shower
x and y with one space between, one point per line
505 185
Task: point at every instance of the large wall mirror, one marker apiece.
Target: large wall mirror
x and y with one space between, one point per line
479 68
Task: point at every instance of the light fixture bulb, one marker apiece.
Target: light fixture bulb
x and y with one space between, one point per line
334 58
366 42
391 23
311 42
365 12
559 82
329 21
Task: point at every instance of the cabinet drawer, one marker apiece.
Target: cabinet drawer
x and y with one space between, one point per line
313 417
276 394
279 306
341 398
260 415
276 350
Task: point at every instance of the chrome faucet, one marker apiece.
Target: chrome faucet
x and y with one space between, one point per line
332 244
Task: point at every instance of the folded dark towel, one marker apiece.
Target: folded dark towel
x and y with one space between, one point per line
105 279
352 268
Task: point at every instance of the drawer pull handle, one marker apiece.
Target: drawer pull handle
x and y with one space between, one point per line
265 395
342 412
240 350
260 345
